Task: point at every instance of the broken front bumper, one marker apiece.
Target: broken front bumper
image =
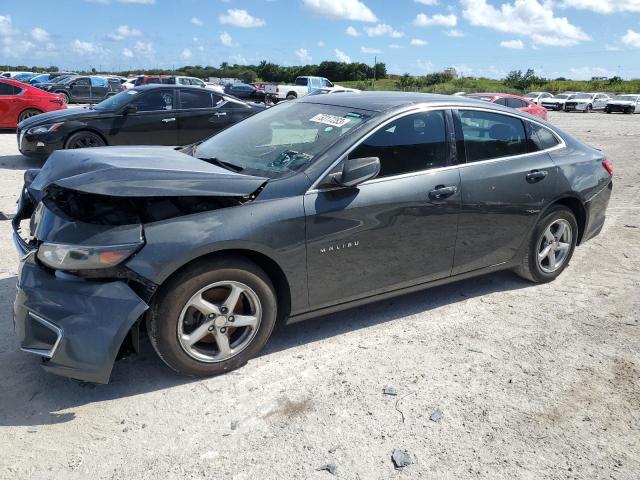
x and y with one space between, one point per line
77 326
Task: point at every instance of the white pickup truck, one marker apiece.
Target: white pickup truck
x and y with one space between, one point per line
303 85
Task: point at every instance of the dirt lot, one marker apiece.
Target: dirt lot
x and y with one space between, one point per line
534 382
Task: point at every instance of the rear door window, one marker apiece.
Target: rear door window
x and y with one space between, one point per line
155 101
6 89
409 144
489 135
191 99
540 138
516 103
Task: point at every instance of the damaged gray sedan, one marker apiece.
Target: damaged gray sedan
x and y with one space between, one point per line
304 209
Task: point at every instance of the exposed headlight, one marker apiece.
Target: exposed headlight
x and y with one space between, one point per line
45 128
77 257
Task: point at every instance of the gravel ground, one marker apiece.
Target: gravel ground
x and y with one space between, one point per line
531 381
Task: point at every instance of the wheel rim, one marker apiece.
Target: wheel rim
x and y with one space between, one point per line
86 141
219 321
554 246
29 114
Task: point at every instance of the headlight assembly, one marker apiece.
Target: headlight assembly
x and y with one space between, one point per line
45 128
79 257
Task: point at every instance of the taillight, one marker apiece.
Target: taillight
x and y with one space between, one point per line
608 166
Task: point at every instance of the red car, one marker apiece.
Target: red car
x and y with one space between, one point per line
513 101
19 101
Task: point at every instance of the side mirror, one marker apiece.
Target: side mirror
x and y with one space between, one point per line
357 170
130 109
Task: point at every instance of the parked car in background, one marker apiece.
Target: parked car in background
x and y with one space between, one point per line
556 102
294 213
245 92
326 91
216 87
85 89
129 83
12 74
512 101
303 85
19 102
586 102
537 97
627 103
50 77
145 115
24 77
147 79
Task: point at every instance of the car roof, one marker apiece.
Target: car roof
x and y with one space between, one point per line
383 101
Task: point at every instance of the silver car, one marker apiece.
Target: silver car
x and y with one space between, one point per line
629 103
586 102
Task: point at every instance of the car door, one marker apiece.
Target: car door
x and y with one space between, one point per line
600 101
395 230
99 88
505 185
153 123
11 104
201 115
80 90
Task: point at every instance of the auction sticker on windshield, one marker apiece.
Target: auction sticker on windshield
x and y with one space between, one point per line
332 120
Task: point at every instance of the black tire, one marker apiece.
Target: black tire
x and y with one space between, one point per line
608 110
291 96
164 317
84 139
588 109
529 267
28 113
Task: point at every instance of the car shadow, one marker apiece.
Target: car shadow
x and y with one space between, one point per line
30 396
20 162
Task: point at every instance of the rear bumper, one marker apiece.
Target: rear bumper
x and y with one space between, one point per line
77 326
596 209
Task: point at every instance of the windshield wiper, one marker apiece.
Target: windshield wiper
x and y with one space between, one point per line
222 164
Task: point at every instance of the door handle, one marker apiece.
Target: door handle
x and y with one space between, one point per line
441 192
220 114
536 175
168 120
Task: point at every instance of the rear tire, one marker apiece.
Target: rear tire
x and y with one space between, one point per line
588 109
554 237
291 96
28 113
180 316
84 139
65 97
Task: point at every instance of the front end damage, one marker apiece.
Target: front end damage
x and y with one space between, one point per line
77 314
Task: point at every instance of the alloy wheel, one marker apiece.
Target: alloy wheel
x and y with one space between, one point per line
219 321
87 141
554 246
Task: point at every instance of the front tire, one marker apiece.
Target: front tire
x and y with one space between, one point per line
291 96
213 317
550 246
588 109
84 140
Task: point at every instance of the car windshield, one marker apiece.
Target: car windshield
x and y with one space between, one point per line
116 102
562 95
582 96
282 139
627 98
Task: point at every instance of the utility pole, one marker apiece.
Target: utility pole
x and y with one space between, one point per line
375 64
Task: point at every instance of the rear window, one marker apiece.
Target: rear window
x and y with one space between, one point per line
540 138
6 89
301 81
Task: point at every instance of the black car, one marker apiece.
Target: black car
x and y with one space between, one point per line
244 91
89 89
146 115
306 208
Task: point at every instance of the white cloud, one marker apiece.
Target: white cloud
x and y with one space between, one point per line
632 39
238 60
83 48
144 48
352 31
427 2
515 44
6 26
123 32
382 29
525 17
370 50
186 54
395 46
423 20
127 53
341 56
227 40
196 21
418 42
586 73
603 6
39 34
303 55
341 9
241 18
454 33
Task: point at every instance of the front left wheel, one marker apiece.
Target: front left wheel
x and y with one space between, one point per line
84 140
213 317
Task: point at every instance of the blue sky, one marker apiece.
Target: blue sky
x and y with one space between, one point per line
572 38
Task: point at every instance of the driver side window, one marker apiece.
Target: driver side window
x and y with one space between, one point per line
155 101
409 144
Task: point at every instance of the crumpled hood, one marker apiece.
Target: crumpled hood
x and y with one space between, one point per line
140 172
